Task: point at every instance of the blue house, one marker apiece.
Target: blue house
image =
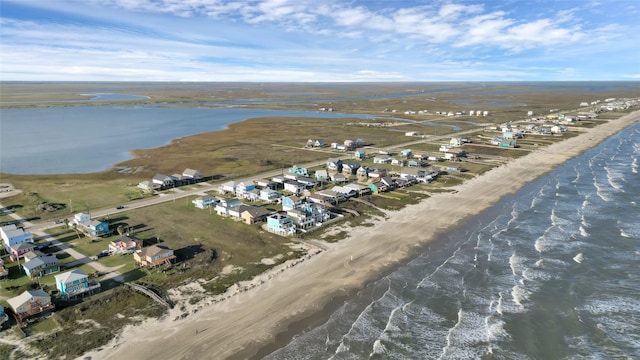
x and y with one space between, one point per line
297 170
280 223
291 202
98 228
41 266
72 283
360 155
406 152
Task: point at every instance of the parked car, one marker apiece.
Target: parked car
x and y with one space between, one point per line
58 221
119 207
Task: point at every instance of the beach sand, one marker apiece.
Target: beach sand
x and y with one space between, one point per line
246 322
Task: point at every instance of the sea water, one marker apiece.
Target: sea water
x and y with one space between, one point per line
548 273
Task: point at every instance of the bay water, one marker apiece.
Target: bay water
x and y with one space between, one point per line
550 272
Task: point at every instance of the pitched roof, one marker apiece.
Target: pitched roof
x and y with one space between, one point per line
16 302
190 172
257 211
40 261
23 246
69 276
152 250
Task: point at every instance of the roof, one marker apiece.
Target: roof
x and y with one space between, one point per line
69 276
40 261
190 172
23 246
16 302
257 211
152 250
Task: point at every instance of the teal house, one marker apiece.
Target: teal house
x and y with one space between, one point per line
71 283
41 266
98 228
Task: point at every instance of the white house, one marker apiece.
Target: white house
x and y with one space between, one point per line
206 201
228 187
191 174
82 219
224 206
12 235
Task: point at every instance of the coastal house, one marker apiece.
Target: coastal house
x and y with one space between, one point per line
243 187
344 192
377 187
334 165
360 155
228 187
376 173
269 195
254 214
293 186
205 201
350 167
12 236
75 283
412 173
360 189
334 196
41 265
406 153
297 170
252 195
29 304
153 256
320 199
321 175
280 223
148 185
125 244
164 181
301 220
18 250
362 173
291 202
97 228
191 174
224 206
81 219
338 178
381 160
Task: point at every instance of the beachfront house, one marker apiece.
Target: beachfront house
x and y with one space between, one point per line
360 155
280 223
293 186
29 304
12 236
350 167
75 283
41 265
153 256
148 185
297 170
254 214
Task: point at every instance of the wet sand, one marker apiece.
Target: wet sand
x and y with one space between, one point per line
243 324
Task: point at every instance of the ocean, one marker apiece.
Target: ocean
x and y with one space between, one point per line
550 272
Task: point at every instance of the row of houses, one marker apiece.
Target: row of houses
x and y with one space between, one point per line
162 182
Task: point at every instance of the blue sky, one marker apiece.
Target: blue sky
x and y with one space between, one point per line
319 40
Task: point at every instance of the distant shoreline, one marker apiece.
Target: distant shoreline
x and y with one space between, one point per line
258 320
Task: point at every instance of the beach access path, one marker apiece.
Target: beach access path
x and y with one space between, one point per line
241 325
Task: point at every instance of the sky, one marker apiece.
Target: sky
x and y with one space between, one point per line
319 40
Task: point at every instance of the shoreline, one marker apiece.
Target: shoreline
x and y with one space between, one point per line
252 322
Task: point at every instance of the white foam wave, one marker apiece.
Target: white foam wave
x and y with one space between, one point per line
634 165
584 232
578 258
378 348
519 295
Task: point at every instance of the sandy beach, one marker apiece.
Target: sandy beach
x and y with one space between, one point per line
246 322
